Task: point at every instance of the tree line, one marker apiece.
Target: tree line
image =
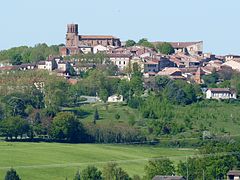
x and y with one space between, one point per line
25 54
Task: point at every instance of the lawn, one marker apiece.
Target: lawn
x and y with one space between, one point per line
45 161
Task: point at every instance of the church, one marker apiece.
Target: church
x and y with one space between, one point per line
75 43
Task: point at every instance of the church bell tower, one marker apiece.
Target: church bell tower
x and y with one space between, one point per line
72 35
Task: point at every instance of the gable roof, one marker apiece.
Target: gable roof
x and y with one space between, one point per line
168 71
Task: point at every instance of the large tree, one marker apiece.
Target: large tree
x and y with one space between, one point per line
111 171
162 166
130 43
65 126
16 59
144 42
14 127
91 173
165 48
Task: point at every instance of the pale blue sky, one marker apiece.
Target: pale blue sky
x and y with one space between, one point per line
216 22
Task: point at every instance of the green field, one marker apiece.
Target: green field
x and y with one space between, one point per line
55 161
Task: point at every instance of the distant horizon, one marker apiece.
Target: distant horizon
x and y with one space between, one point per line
27 23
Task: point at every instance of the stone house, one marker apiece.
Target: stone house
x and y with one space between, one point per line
122 61
152 66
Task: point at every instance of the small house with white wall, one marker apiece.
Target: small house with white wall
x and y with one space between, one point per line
220 93
115 98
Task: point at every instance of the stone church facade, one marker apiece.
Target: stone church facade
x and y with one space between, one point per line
75 42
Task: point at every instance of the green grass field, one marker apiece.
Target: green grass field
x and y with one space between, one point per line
55 161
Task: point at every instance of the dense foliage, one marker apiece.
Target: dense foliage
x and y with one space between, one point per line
144 42
165 48
130 43
164 167
25 54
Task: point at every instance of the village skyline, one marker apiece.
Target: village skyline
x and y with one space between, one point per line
44 22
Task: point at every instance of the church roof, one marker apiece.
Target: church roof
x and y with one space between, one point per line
97 37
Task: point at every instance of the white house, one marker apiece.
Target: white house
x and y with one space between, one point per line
220 93
115 98
120 60
99 48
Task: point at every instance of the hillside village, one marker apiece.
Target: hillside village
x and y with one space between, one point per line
99 90
188 61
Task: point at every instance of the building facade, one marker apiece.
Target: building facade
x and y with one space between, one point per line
122 61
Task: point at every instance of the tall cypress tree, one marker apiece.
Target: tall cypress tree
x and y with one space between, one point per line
96 116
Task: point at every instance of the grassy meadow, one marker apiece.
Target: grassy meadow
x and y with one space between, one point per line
55 161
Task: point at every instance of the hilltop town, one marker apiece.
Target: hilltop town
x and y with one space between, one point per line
104 103
180 61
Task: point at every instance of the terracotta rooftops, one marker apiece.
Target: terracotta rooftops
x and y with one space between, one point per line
97 37
168 71
152 62
114 55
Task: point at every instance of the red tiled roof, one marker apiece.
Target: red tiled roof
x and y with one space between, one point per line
97 37
119 55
